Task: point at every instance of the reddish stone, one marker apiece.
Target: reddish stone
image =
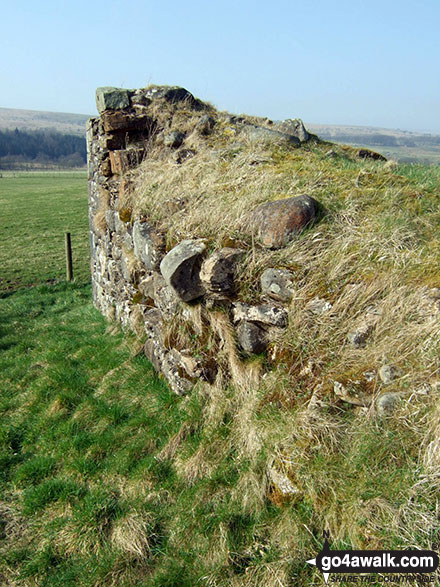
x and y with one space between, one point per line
276 223
114 121
123 160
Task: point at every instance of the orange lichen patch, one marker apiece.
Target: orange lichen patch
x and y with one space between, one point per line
125 214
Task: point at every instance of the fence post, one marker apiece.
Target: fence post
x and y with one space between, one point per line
69 266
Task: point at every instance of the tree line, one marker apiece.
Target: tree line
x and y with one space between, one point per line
41 146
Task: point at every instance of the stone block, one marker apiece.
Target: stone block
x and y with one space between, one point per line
125 159
181 269
251 337
106 168
294 127
173 372
263 314
267 136
174 139
166 300
387 403
205 125
277 284
388 373
218 272
123 121
108 98
318 306
110 220
149 245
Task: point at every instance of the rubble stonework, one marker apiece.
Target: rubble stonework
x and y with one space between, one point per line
155 292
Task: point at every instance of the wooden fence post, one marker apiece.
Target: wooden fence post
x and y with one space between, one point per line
69 266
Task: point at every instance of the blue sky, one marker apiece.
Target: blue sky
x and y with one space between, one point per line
335 62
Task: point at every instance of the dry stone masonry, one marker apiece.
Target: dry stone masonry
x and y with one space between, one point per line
183 300
167 295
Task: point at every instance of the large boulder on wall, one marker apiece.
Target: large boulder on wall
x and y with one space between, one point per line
276 223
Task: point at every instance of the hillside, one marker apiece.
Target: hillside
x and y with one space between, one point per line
401 145
63 122
34 140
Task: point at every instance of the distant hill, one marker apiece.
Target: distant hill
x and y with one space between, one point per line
30 139
62 122
403 145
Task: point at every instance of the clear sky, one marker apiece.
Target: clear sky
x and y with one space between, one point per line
326 61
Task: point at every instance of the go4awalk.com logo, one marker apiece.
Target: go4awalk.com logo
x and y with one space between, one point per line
383 562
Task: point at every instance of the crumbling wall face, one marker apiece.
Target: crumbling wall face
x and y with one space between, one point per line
182 301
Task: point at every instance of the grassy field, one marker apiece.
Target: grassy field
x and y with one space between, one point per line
80 487
36 209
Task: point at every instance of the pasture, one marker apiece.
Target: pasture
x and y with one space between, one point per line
36 209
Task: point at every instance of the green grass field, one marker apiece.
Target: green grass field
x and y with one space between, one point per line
36 209
78 480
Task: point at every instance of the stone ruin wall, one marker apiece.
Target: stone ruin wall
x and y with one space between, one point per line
150 290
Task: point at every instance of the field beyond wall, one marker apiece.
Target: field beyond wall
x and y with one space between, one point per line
36 209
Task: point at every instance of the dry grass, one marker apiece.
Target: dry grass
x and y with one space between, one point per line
374 256
133 534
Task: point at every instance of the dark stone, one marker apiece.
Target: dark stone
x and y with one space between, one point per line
277 284
251 337
181 269
276 223
367 154
112 142
358 338
137 139
183 155
174 139
140 99
218 272
205 124
173 95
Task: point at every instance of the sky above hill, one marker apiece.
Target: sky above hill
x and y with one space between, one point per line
360 62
